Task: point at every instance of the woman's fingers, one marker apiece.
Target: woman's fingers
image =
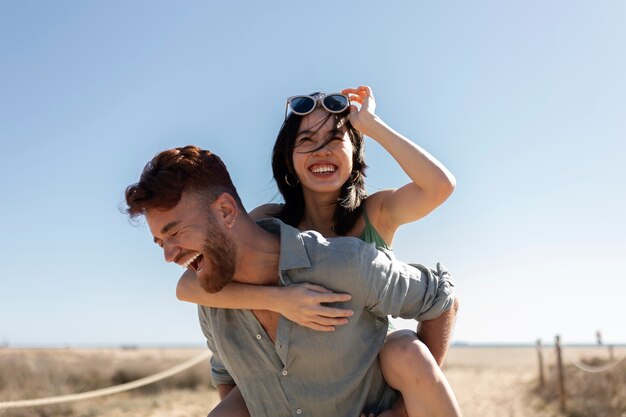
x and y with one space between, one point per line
349 91
319 327
365 91
362 90
362 101
319 294
325 321
316 288
324 324
331 297
356 98
334 312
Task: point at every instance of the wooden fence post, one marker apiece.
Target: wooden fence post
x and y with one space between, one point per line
542 380
561 378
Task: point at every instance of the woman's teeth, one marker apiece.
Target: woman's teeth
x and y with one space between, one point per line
190 260
322 169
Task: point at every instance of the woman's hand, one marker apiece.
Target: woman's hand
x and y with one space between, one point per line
302 304
363 116
431 182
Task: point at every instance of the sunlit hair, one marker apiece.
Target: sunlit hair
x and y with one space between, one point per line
173 171
352 193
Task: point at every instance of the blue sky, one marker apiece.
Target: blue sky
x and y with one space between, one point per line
522 100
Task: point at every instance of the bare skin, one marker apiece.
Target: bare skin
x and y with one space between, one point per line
431 184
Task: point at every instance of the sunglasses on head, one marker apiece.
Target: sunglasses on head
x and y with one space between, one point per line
303 105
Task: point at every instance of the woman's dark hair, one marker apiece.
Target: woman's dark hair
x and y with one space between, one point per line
352 193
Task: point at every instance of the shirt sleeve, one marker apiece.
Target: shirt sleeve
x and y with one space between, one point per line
219 373
401 290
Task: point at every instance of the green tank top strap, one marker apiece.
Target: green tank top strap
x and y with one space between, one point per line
371 235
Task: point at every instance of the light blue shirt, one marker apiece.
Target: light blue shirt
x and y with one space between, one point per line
323 374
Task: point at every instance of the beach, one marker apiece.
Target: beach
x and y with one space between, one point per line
488 382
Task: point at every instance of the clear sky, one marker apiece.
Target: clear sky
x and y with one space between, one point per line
524 101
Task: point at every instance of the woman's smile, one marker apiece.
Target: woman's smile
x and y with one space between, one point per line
327 166
323 168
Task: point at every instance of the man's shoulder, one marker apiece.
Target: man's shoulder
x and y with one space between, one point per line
346 249
313 238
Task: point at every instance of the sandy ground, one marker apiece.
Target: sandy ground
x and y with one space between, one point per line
496 382
488 382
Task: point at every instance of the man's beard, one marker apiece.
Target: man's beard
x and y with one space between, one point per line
220 254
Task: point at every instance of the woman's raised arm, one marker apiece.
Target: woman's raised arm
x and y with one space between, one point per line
431 182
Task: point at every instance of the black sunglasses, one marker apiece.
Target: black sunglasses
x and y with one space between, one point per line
303 105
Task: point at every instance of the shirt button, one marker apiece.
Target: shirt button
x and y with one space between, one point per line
258 336
298 411
284 372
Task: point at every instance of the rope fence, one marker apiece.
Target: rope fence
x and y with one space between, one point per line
110 390
594 369
583 367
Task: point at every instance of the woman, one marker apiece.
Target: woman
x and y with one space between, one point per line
318 164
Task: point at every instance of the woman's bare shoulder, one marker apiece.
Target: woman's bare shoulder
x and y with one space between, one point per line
266 210
376 215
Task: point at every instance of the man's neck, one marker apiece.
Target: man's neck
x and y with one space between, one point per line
258 254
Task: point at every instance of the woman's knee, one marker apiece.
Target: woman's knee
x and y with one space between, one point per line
404 356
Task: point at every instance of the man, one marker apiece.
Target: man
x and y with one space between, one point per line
281 369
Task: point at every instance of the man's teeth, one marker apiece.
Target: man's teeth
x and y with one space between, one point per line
320 169
190 260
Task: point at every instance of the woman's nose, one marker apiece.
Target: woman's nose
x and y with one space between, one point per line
324 150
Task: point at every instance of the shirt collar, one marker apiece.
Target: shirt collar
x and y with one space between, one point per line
293 253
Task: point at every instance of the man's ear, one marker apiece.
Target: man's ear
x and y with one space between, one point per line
226 209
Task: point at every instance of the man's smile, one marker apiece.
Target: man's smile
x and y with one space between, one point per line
193 261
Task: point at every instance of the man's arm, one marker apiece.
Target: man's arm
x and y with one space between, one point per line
401 290
232 402
436 333
411 292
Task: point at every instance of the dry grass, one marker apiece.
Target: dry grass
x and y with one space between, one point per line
601 394
488 382
40 373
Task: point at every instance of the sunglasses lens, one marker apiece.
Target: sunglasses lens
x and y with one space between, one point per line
302 105
336 103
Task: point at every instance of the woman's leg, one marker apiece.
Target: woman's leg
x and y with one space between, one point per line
231 405
409 367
